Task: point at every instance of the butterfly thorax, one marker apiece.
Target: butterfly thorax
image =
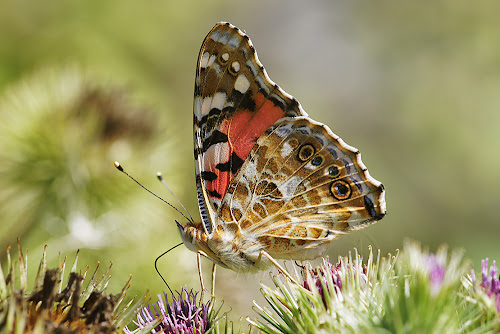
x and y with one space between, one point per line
225 246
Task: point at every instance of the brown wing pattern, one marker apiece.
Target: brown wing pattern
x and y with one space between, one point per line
301 186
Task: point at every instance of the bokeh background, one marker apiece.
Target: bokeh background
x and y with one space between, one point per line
414 85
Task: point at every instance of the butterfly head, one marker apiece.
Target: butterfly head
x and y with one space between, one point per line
194 237
188 235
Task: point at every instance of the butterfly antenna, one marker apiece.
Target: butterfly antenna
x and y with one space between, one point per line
160 177
156 267
120 168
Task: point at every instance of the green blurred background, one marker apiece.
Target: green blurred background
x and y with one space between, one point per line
414 85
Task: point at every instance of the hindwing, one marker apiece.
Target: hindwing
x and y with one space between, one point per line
301 186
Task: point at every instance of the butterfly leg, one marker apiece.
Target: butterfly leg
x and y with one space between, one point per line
198 260
200 273
280 268
213 280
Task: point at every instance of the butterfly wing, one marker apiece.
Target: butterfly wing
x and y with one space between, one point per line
288 181
301 186
235 103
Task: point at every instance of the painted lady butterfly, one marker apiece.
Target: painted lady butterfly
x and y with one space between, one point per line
272 182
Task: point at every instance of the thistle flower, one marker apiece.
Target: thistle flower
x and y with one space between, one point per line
329 276
431 269
332 298
318 277
183 315
416 291
436 272
50 308
490 282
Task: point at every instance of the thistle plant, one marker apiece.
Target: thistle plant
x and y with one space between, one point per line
490 283
183 315
61 130
53 306
333 298
484 292
415 291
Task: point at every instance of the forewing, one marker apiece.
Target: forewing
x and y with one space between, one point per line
235 102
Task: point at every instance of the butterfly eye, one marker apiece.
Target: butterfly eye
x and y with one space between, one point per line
305 152
340 190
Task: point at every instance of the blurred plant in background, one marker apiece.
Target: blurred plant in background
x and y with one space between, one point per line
60 133
76 94
62 128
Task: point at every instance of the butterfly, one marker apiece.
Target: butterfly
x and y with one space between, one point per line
271 182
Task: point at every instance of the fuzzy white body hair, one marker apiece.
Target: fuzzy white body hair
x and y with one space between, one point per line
239 253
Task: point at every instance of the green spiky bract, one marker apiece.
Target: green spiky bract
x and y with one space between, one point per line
414 291
56 305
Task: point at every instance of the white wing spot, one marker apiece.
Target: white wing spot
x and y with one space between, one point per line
211 60
215 36
251 170
309 165
242 84
286 150
235 204
236 66
215 154
197 107
234 42
225 56
204 60
206 105
284 130
288 188
219 100
251 67
224 38
228 104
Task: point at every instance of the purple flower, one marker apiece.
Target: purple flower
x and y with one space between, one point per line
436 272
183 315
319 276
490 281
